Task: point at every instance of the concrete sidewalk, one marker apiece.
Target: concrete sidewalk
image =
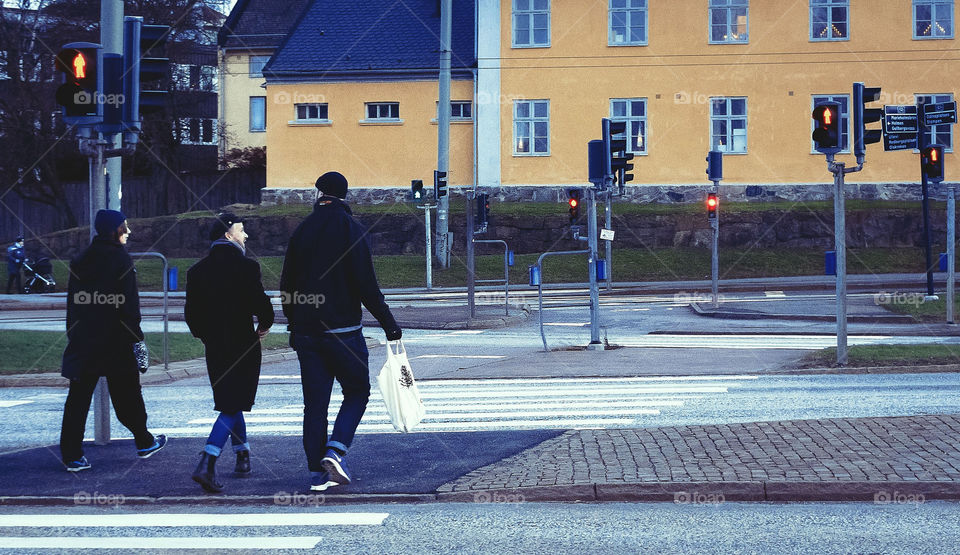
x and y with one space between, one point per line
882 460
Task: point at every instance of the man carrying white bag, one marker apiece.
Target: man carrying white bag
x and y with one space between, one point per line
399 390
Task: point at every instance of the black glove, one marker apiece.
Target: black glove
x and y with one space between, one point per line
394 335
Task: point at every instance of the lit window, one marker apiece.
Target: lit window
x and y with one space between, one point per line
628 23
728 21
933 19
829 19
633 111
531 128
728 124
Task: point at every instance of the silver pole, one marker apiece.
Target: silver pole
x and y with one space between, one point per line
951 251
471 253
840 239
426 218
594 287
443 132
608 212
715 250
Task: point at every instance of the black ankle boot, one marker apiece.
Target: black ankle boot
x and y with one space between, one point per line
206 474
243 462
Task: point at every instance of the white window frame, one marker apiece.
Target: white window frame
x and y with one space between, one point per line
387 112
255 65
729 8
948 8
728 117
631 10
846 120
456 111
637 124
830 6
529 11
263 116
183 125
530 121
945 130
305 109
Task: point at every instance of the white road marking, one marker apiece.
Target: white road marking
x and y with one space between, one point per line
775 294
567 324
461 356
139 520
245 543
8 404
746 342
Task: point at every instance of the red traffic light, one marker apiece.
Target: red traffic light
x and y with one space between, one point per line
712 203
826 132
573 202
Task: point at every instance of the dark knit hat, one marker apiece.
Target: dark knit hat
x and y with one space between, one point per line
107 222
221 223
333 184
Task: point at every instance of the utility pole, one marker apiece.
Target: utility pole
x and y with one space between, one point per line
443 132
595 344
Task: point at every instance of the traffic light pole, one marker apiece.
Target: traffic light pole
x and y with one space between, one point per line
840 245
951 251
443 132
595 344
925 202
429 245
715 250
471 263
608 256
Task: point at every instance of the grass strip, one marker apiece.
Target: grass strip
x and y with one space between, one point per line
885 355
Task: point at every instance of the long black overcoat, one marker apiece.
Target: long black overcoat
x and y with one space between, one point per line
224 293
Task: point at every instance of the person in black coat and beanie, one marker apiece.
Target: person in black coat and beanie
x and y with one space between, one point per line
103 324
224 294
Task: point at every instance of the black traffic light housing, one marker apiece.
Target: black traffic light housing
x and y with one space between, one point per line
145 70
715 165
439 184
861 116
612 146
483 210
931 163
80 94
712 204
826 127
416 191
573 203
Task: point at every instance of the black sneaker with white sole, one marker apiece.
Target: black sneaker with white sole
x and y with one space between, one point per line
158 444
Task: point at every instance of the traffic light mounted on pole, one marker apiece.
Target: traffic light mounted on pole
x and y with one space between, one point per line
416 191
80 94
715 165
439 185
142 66
862 116
712 204
826 130
483 212
931 163
615 156
573 203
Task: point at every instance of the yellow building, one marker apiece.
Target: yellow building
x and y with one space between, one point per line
689 76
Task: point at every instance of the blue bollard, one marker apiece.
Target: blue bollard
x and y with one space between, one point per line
172 278
943 262
534 275
830 263
601 269
509 258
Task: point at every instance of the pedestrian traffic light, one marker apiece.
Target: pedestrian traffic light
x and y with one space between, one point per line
931 163
144 69
712 204
573 202
862 116
826 127
612 147
622 167
439 184
82 83
483 210
715 165
416 191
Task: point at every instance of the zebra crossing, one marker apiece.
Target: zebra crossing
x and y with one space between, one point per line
510 404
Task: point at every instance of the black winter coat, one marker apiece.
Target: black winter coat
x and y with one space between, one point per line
224 293
328 273
103 312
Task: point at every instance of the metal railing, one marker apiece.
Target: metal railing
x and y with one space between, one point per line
539 285
506 273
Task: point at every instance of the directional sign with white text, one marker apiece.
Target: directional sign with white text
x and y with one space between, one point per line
900 126
939 113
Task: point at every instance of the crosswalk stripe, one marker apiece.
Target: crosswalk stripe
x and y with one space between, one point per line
245 543
8 404
192 519
493 407
459 415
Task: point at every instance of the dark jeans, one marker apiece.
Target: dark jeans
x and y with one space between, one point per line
232 425
10 280
323 358
127 400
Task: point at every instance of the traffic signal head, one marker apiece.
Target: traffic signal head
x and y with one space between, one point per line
862 116
416 190
79 64
931 163
614 142
712 204
826 127
714 165
144 70
439 184
573 203
483 209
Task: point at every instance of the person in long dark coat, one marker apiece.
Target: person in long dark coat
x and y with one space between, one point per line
103 323
224 294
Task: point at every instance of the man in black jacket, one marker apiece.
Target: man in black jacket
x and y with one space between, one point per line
327 274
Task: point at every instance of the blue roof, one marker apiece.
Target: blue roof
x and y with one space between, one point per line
338 40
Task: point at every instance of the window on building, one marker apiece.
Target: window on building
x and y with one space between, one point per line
383 110
628 23
188 77
256 64
312 112
207 78
196 131
531 127
531 23
634 112
258 113
844 101
728 21
933 19
460 110
728 124
829 19
938 134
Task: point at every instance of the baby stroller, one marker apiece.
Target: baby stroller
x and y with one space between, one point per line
39 276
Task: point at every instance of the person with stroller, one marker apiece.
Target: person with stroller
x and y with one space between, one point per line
224 294
15 258
103 324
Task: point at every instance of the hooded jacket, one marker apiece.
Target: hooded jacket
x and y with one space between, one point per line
328 273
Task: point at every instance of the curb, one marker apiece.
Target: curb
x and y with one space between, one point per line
756 315
680 493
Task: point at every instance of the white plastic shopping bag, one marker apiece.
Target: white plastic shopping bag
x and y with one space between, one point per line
398 389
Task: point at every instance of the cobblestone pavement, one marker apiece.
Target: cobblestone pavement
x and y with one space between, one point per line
797 459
